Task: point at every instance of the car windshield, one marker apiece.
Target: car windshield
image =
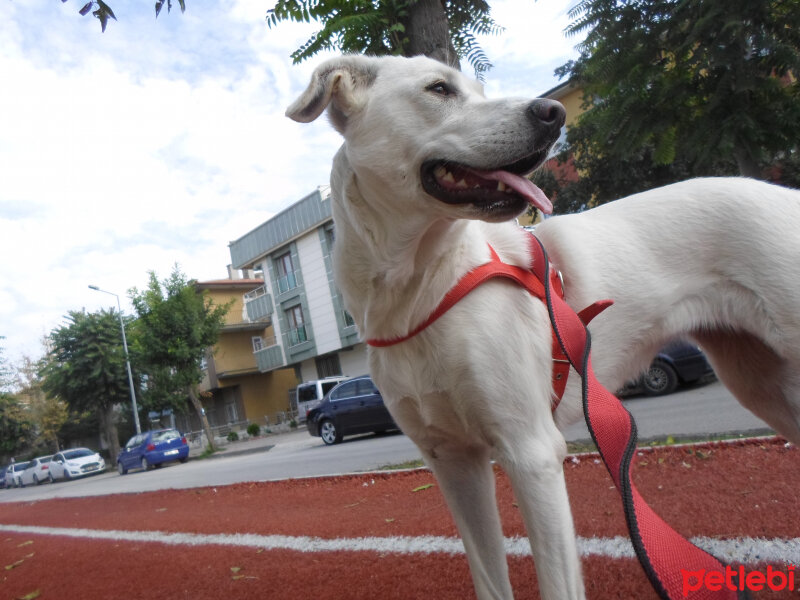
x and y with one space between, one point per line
44 459
21 466
165 436
80 452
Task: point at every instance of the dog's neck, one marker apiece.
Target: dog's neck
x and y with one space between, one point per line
392 269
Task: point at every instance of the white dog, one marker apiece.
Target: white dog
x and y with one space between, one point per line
429 176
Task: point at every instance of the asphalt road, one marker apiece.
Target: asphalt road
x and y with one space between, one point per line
696 412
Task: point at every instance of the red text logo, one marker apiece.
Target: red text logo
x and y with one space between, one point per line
738 580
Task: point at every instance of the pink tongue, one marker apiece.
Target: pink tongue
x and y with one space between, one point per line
524 187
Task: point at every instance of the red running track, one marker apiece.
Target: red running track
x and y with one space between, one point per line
360 536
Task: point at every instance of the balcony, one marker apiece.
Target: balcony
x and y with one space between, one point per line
270 358
258 304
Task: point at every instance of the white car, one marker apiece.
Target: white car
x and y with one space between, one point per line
76 462
14 473
36 471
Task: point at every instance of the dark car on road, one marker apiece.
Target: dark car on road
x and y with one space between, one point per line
678 363
354 406
152 449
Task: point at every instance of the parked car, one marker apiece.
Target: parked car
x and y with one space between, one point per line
14 474
152 449
75 462
311 393
678 363
354 406
37 471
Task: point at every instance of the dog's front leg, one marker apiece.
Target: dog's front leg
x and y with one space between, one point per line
535 466
467 481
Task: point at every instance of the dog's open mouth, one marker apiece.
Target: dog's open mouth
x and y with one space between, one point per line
502 187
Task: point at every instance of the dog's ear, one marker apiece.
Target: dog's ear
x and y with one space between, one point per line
338 84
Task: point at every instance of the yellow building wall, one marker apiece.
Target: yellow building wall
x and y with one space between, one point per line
572 101
263 394
234 351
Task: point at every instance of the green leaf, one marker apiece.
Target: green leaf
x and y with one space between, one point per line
427 486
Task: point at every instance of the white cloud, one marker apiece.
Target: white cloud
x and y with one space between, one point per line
162 140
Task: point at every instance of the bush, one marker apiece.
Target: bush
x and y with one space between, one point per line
233 436
253 430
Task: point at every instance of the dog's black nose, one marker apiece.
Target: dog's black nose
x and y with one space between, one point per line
547 112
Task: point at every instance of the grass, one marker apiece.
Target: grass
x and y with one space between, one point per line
409 464
207 452
588 446
582 447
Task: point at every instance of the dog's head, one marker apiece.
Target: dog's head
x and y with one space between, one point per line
424 133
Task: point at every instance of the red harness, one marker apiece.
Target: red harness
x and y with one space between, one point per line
662 552
524 277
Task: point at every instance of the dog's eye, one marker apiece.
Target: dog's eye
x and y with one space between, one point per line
441 88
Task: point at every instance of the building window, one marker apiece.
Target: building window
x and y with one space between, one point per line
287 279
258 343
297 328
328 366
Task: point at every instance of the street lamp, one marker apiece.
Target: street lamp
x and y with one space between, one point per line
127 359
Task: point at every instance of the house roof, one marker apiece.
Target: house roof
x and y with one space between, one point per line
561 90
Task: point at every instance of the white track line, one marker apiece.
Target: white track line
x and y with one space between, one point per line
738 550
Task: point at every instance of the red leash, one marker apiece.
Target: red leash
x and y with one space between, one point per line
662 552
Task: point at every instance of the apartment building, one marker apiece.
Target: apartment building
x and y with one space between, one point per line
291 253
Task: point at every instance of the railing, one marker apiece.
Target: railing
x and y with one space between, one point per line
220 431
287 282
258 304
297 335
270 357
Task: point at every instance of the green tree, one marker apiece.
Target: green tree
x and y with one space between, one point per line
16 428
444 30
175 327
48 413
6 374
86 369
695 85
102 11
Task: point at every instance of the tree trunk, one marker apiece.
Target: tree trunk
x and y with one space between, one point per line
110 431
198 406
747 166
428 33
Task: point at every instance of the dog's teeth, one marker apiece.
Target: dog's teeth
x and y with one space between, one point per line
448 177
440 171
462 184
501 187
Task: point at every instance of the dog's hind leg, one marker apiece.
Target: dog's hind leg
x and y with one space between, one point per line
763 382
467 481
535 466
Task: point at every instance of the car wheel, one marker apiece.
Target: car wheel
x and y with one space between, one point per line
145 464
122 470
35 479
328 432
50 477
184 459
660 379
67 476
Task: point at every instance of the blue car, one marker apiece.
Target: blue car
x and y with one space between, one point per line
152 449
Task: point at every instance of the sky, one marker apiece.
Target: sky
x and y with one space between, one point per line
160 141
